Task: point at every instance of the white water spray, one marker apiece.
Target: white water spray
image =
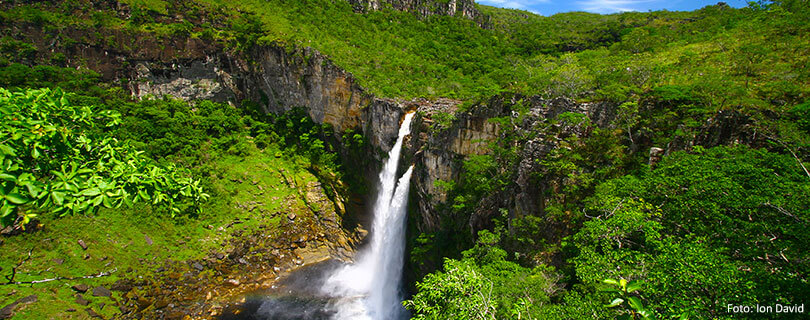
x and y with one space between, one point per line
370 288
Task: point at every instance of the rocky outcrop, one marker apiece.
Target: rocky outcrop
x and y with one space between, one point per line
425 8
198 79
439 151
279 79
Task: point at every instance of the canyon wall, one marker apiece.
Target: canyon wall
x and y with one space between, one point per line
279 79
439 150
424 8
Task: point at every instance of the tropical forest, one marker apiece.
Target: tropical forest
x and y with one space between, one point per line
403 159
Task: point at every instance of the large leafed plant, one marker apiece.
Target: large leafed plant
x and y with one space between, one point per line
55 157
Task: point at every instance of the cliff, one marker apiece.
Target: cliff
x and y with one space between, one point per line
439 152
425 8
279 79
282 78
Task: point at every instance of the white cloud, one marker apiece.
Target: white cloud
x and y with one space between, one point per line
610 6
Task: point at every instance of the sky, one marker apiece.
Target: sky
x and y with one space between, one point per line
550 7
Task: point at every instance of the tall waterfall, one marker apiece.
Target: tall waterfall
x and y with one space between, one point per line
371 287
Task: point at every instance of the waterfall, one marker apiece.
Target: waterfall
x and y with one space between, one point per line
371 287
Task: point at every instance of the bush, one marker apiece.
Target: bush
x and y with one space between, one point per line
483 286
56 157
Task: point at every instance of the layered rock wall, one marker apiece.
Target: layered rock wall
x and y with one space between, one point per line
279 80
425 8
439 152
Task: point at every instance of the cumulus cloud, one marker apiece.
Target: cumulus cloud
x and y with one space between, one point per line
610 6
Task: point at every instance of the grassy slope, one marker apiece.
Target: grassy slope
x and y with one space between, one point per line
720 50
396 55
116 238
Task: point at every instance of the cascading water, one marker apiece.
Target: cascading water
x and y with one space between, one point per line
371 287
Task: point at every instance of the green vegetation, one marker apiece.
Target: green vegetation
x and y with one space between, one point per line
727 222
750 56
625 290
484 285
52 159
721 219
704 228
718 50
238 159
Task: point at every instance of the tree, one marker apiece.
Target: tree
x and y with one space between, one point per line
719 226
484 285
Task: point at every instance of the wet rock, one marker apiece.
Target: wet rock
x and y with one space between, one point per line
8 311
362 233
101 292
147 239
81 300
80 288
219 256
233 282
82 244
291 216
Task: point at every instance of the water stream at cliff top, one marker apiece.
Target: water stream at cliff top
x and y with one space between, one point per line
371 287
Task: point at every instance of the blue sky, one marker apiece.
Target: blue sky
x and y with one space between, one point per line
549 7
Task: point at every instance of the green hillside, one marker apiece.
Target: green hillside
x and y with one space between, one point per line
710 225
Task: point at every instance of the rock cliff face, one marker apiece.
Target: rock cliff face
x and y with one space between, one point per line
279 79
424 8
439 151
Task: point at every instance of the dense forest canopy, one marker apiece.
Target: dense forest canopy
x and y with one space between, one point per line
720 219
